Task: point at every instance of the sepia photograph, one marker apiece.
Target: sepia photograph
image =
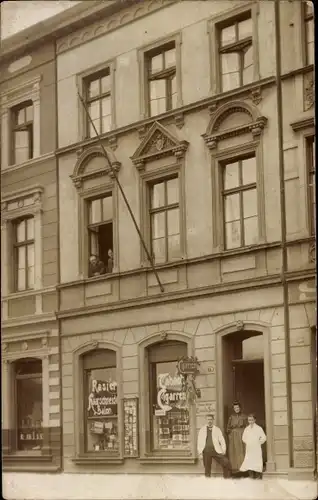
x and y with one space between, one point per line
158 250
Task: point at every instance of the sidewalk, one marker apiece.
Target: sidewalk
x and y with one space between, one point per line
150 487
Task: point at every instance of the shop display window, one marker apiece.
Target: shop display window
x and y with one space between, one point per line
170 422
101 405
28 387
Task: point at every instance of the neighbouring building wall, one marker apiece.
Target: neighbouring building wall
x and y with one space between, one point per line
29 264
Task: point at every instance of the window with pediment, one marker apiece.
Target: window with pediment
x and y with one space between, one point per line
160 162
234 140
93 178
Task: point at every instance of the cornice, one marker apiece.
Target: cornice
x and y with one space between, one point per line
191 294
303 123
111 23
27 164
60 25
142 126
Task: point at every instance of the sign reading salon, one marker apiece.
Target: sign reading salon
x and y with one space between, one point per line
102 399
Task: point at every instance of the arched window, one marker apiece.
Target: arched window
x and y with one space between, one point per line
29 404
100 401
169 414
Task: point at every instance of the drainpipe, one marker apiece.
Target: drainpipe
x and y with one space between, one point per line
58 297
283 228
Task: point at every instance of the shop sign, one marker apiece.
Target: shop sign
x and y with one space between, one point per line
188 366
171 392
102 400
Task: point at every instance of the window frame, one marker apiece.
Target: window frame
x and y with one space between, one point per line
214 25
10 408
305 17
9 216
87 81
310 171
12 98
24 377
82 456
146 180
26 126
173 456
91 226
25 243
242 188
236 47
143 56
82 79
167 74
163 209
85 198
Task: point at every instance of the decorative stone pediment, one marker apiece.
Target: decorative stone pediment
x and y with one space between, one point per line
158 143
92 164
233 119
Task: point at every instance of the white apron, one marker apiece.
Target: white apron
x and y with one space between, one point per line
253 437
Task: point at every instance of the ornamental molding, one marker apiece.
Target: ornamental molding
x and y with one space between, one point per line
79 176
309 91
158 143
256 124
21 202
111 23
27 90
312 253
303 123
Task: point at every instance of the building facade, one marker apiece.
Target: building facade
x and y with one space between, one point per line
191 102
31 432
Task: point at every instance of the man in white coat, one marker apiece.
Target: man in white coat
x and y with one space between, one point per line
212 446
253 437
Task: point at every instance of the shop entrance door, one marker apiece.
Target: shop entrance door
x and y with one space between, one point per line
248 381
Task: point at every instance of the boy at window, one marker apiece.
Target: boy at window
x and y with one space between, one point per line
96 266
211 445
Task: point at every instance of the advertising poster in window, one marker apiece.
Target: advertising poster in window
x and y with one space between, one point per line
102 399
171 416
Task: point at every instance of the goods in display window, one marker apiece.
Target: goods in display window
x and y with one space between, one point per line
130 426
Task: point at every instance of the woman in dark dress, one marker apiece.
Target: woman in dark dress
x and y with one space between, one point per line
235 428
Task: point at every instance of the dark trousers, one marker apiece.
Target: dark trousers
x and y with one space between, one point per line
255 475
209 455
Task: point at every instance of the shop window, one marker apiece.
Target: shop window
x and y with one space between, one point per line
169 415
164 215
29 409
236 59
240 203
100 231
308 16
100 402
98 100
311 173
23 250
160 66
22 132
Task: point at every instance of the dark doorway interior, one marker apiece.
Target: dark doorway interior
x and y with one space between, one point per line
243 378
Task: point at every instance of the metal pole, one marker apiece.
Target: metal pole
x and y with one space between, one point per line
283 229
122 192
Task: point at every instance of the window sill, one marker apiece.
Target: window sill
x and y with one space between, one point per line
95 460
164 459
26 458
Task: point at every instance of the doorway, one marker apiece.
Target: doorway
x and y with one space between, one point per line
243 376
